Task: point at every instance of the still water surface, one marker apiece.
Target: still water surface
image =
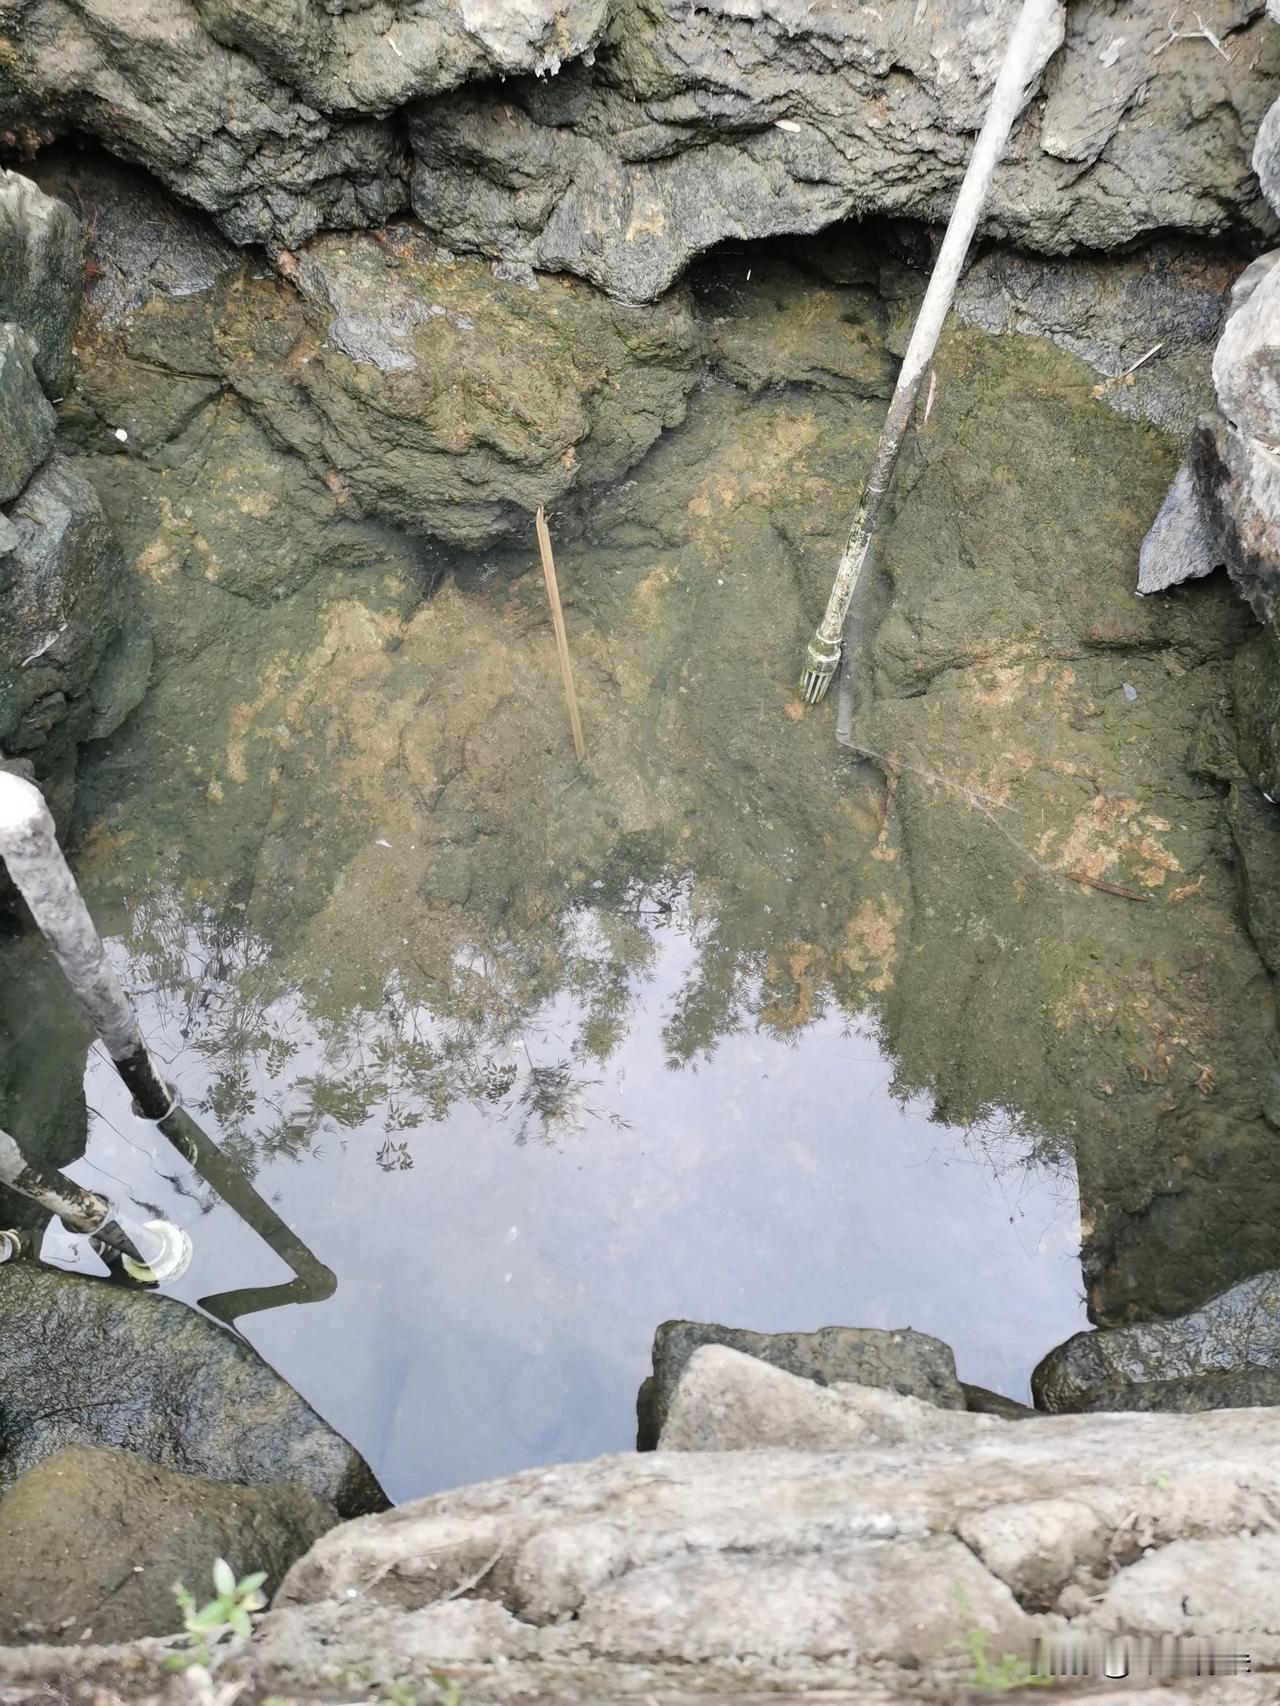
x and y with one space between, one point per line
502 1267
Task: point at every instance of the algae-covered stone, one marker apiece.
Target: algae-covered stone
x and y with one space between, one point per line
26 420
904 1361
147 1373
1022 703
1235 1334
41 260
93 1540
420 391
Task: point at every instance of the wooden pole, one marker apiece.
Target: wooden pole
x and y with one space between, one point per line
1036 34
562 639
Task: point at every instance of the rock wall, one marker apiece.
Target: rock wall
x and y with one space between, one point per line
540 134
1223 509
74 658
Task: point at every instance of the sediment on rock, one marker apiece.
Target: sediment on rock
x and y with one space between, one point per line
420 392
94 1540
1015 678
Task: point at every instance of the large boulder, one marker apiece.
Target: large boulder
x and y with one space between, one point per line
896 1558
1233 1342
92 1542
146 1373
901 1361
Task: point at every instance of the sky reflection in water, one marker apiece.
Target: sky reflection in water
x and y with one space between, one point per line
510 1219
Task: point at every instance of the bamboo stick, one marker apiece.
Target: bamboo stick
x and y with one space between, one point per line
562 639
1036 34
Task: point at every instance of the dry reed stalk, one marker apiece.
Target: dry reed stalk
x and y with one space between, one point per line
562 639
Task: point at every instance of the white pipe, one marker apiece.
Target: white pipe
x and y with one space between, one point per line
29 847
79 1210
1036 35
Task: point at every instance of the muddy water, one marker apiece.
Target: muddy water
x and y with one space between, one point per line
729 1022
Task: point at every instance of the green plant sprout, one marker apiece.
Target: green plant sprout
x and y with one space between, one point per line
1008 1672
450 1693
226 1614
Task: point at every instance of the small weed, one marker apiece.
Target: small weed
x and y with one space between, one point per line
450 1693
1008 1672
1005 1673
400 1693
226 1614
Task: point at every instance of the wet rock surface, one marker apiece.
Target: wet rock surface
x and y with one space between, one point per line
1228 1350
150 1375
74 657
905 1362
28 420
41 260
92 1541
